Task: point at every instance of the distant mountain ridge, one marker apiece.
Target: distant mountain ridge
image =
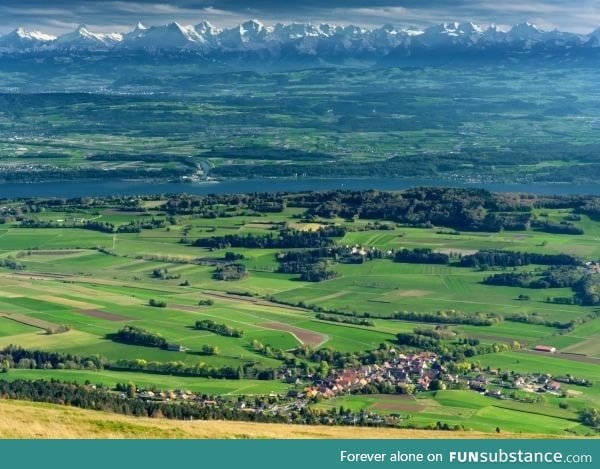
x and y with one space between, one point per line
253 40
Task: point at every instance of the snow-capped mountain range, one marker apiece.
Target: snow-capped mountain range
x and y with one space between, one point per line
301 39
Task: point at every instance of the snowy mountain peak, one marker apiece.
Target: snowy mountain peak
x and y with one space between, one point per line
139 30
412 31
470 28
78 36
443 29
594 40
253 29
454 29
246 34
294 31
354 30
253 25
83 38
525 31
20 38
328 29
32 35
449 28
167 37
175 26
204 28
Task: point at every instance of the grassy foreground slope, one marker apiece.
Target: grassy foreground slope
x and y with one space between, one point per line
19 419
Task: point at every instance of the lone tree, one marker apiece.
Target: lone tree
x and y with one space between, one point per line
157 303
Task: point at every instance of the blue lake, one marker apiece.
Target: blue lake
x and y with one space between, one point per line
116 187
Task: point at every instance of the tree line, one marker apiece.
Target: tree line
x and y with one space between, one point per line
461 209
96 225
421 256
286 238
447 317
452 350
221 329
564 227
134 335
11 263
497 258
585 285
179 368
337 359
17 357
345 319
228 272
555 277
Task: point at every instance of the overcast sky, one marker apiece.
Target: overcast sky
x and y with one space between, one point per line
58 16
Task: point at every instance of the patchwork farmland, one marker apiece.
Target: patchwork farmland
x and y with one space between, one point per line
281 323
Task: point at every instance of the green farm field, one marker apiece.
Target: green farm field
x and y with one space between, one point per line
463 408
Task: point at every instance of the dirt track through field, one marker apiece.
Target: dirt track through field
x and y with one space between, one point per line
566 356
331 296
192 309
56 252
589 347
29 321
303 335
255 301
576 357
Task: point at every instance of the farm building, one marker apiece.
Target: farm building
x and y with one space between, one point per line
176 348
553 386
545 348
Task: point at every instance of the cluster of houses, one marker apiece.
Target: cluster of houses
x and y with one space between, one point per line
534 383
418 369
6 211
592 267
537 383
177 395
364 251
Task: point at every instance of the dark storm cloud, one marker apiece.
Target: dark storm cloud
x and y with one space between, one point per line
60 15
